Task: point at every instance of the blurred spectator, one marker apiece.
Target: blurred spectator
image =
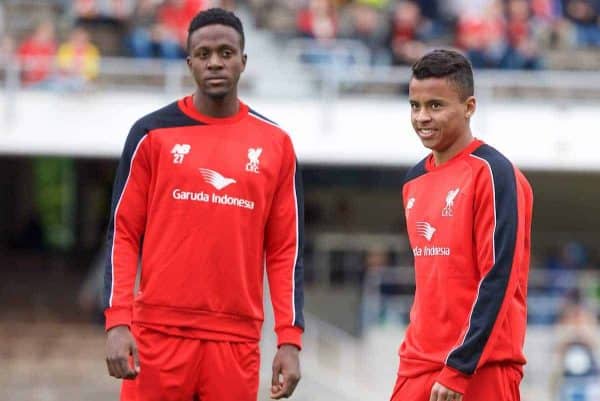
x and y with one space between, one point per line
106 21
78 61
37 53
584 14
522 52
550 27
576 320
374 306
318 21
482 35
409 29
146 38
577 375
367 26
548 10
174 17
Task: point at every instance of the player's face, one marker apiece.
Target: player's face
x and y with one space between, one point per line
216 60
438 115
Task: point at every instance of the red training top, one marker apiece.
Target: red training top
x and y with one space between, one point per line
208 204
469 223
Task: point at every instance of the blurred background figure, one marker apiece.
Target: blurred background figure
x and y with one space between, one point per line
147 38
173 19
409 31
78 61
481 34
584 14
318 20
522 52
578 374
366 25
37 55
106 19
318 24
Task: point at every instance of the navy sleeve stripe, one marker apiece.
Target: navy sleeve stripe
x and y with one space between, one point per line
253 113
169 116
123 174
298 278
492 287
416 171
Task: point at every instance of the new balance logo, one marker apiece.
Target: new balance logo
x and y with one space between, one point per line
409 205
253 155
448 210
215 179
425 229
179 152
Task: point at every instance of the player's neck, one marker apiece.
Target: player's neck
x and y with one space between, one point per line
458 146
226 106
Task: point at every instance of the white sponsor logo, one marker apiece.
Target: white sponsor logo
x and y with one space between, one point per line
216 179
231 201
448 210
431 251
253 155
187 195
179 152
203 197
425 229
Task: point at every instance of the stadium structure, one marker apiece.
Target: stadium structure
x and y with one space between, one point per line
350 126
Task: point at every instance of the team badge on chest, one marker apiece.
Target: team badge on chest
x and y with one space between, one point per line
253 155
448 210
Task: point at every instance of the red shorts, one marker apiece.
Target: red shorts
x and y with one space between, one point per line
185 369
492 382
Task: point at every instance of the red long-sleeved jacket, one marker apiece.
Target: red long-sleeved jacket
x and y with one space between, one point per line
206 205
469 223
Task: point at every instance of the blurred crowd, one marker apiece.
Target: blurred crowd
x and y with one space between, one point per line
493 33
511 34
62 49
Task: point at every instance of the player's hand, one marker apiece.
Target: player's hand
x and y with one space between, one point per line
119 346
439 392
286 371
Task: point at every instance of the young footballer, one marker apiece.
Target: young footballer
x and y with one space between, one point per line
468 215
207 198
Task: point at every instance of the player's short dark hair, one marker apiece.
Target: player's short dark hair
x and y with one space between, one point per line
216 16
449 64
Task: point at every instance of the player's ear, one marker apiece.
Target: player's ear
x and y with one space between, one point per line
244 60
188 61
470 107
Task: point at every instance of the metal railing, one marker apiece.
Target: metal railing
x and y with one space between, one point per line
336 64
345 70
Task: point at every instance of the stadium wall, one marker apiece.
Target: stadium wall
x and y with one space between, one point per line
350 131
